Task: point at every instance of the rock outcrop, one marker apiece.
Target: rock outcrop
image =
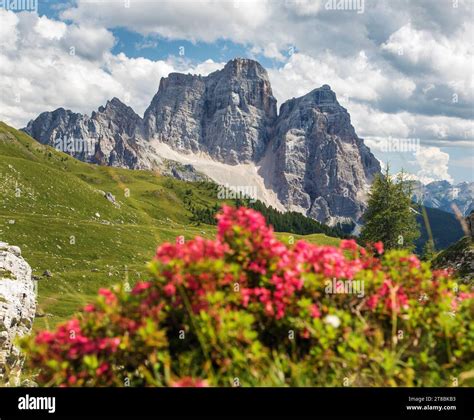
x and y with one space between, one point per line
470 224
308 157
17 309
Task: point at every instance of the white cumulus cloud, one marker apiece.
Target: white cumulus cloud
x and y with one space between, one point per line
433 163
39 71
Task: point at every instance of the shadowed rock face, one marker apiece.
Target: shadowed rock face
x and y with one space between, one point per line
309 154
175 113
320 165
228 114
17 309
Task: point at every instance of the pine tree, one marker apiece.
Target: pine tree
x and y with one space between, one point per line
390 216
429 250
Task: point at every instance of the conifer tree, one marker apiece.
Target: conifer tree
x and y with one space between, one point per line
429 250
390 216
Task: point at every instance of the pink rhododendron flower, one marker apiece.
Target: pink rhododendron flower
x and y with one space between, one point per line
393 296
187 382
108 294
170 289
104 367
378 247
349 244
89 308
140 287
314 310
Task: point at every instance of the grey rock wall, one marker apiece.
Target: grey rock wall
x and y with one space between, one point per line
320 165
228 114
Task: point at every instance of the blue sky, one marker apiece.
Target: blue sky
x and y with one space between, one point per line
404 70
156 47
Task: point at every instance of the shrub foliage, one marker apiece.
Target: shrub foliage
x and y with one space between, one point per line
246 309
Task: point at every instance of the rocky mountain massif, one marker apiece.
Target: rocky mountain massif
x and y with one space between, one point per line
228 115
307 158
17 309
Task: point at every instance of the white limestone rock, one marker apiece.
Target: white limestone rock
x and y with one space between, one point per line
17 309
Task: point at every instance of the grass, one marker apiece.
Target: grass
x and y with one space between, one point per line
315 238
53 207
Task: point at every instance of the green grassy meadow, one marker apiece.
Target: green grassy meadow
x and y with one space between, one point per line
54 208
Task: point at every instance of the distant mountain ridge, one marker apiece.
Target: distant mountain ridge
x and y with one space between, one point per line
308 158
444 195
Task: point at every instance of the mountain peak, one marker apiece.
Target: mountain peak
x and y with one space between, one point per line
315 163
115 102
246 67
242 61
227 114
323 95
123 116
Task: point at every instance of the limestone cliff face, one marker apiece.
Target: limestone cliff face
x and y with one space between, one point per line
308 156
228 114
17 309
107 137
319 164
175 113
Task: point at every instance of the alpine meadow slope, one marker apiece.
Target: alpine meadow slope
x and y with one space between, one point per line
55 208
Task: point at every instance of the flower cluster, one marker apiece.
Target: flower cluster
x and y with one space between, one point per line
393 297
268 274
237 306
